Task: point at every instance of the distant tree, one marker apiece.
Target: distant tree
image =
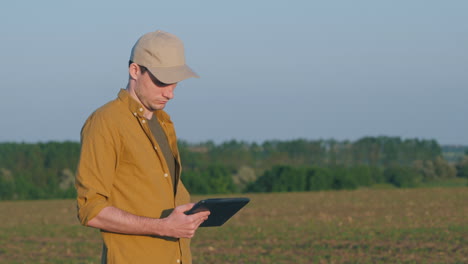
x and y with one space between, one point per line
462 167
318 179
280 178
437 168
426 169
244 176
342 179
362 175
7 185
215 179
402 176
444 169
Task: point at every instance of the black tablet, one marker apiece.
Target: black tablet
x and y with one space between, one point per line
221 209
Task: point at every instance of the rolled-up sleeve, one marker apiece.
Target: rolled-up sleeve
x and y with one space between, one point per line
96 169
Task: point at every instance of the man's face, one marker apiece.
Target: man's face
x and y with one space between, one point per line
152 93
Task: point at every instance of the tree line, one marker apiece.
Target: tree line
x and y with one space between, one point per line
47 170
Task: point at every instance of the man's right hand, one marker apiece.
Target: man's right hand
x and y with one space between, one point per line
177 224
180 225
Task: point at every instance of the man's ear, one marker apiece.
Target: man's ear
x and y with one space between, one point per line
133 70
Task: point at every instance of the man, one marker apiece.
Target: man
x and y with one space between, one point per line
128 179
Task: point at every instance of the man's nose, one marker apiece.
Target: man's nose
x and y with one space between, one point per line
169 92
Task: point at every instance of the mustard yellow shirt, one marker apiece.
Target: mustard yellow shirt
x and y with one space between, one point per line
121 165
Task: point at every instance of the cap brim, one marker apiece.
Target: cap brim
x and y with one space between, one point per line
173 74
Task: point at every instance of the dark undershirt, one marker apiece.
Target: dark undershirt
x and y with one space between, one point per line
161 138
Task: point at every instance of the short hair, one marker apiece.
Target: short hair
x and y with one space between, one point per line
142 68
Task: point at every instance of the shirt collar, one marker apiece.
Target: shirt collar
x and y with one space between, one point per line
137 109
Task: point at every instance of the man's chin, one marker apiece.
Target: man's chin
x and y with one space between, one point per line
159 107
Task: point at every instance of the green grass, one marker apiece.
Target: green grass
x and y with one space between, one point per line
455 182
422 225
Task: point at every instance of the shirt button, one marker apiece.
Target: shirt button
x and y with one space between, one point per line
135 114
156 148
178 261
141 109
165 175
143 121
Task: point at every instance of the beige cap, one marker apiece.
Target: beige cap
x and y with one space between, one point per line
162 54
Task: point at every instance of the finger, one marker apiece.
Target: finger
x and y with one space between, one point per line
187 206
199 222
202 214
184 207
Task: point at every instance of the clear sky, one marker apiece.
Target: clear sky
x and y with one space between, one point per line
269 69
